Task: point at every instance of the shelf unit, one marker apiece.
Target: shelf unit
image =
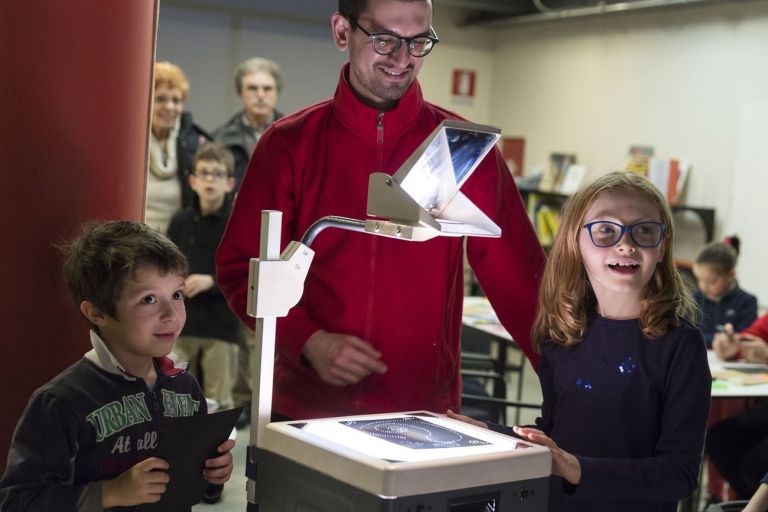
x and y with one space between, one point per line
707 215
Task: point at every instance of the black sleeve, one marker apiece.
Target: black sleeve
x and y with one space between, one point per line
548 395
746 313
40 472
173 228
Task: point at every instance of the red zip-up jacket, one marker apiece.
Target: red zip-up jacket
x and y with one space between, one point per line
759 327
405 298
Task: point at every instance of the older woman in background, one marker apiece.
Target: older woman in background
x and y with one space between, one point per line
173 142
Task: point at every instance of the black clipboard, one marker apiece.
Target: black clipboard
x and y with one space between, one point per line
186 443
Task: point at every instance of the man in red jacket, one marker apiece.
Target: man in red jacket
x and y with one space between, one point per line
378 327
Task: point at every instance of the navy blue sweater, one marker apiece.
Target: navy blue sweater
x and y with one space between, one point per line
634 412
736 307
87 425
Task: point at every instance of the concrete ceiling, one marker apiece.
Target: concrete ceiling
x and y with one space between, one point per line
470 12
495 12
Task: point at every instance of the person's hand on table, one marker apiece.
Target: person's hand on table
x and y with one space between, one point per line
341 359
753 349
726 343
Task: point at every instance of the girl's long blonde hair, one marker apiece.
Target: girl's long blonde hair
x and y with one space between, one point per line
566 298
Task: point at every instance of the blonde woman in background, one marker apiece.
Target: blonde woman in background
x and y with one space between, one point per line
173 142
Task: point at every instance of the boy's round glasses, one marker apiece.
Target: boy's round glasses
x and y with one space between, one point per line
605 233
214 175
387 43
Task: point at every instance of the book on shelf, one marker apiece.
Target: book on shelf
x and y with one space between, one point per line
547 224
669 175
544 217
555 172
571 182
637 159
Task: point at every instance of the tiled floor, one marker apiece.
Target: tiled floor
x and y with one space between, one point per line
234 498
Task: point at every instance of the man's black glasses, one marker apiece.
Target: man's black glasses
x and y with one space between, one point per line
386 43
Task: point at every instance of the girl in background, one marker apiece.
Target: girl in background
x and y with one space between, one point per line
722 302
718 294
624 373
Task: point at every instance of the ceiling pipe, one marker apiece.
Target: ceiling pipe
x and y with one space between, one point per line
549 14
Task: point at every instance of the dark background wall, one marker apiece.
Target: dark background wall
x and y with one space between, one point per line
74 110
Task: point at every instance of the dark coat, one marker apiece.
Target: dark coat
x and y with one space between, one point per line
736 307
231 135
198 236
191 137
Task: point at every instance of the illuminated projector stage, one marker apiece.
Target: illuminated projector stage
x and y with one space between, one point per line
409 462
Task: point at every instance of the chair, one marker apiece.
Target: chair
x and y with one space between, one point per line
477 409
479 364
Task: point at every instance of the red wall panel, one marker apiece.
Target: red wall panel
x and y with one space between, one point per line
75 98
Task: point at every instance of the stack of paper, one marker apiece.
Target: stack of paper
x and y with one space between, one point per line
743 376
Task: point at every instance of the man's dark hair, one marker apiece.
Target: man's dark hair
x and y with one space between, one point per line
352 9
99 261
217 153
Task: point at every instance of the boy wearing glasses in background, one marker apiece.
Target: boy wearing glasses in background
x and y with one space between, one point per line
209 338
378 327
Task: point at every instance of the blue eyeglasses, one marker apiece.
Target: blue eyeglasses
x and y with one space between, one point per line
213 175
387 43
605 233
